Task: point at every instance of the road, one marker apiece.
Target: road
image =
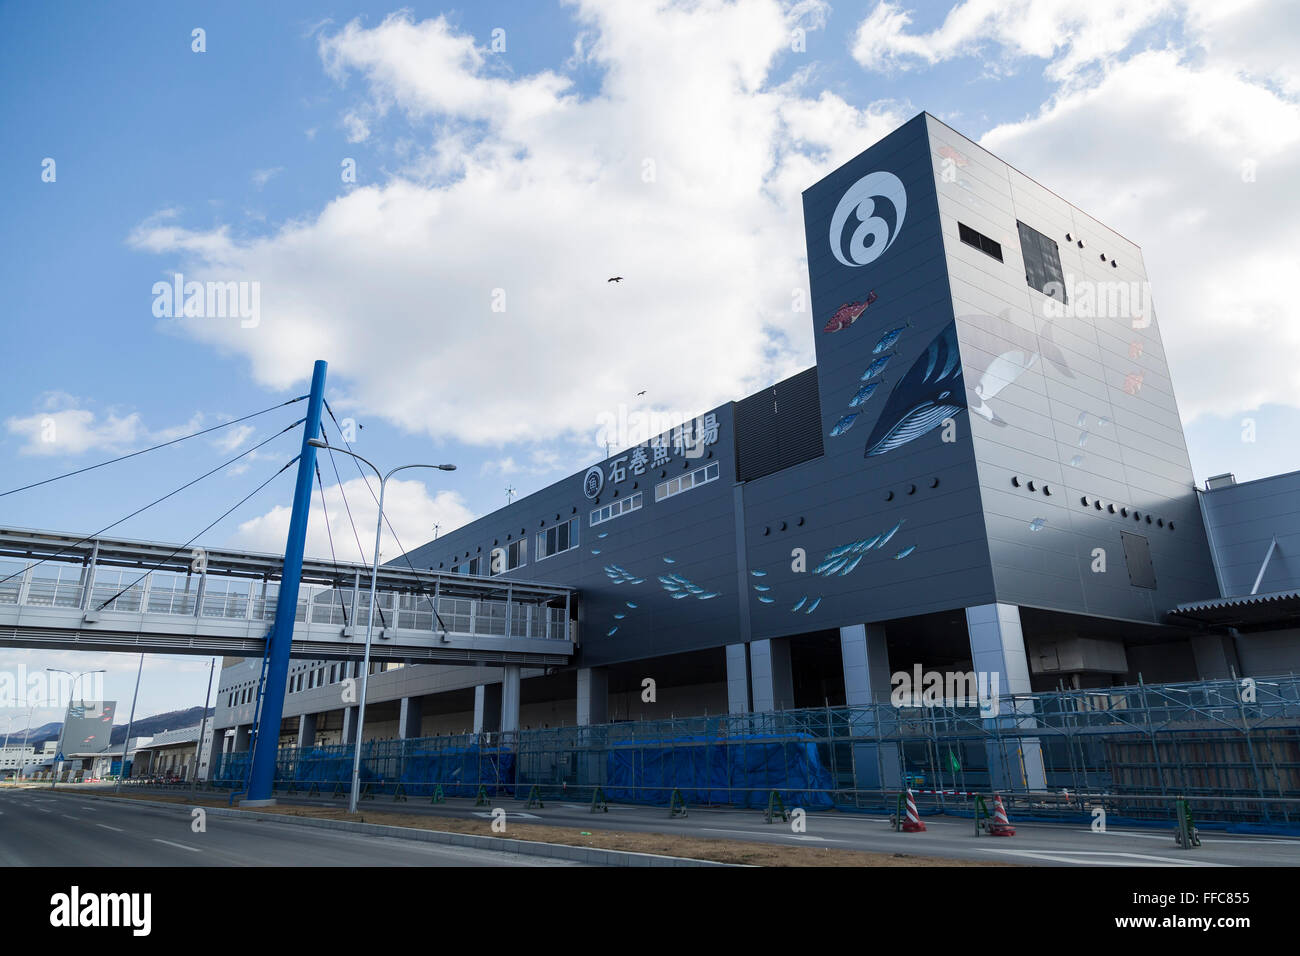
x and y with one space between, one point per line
946 837
38 828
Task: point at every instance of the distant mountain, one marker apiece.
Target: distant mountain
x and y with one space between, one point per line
143 727
36 736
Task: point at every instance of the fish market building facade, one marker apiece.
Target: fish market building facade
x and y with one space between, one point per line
975 478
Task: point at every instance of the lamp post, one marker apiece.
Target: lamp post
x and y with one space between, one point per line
370 620
130 723
76 679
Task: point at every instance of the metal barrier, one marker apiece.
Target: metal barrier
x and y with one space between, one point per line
1230 748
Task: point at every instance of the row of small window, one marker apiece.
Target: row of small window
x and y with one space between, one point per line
1041 254
692 479
619 506
564 537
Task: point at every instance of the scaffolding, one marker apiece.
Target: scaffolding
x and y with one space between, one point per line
1232 748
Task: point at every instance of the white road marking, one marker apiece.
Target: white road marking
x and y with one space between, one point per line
510 815
1093 857
40 810
179 846
66 817
107 827
91 809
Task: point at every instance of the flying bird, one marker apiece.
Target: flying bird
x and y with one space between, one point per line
615 279
640 393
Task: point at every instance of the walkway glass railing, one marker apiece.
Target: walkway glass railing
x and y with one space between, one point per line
213 596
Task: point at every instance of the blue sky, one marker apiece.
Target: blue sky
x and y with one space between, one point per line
523 171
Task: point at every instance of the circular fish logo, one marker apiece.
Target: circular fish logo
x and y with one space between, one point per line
859 202
593 482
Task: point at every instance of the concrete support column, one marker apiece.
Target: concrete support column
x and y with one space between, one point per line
738 679
350 715
593 696
1216 657
307 731
771 675
487 708
410 717
997 647
865 654
242 734
510 698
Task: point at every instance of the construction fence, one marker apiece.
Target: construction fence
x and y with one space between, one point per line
1232 748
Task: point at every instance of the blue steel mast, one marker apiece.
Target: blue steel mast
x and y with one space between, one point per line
280 640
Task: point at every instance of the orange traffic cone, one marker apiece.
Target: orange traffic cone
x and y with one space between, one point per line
912 823
1000 825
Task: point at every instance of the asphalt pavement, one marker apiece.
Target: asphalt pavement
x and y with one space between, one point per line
40 828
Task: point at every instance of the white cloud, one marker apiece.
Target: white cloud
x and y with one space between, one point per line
1156 145
1070 34
72 431
263 176
408 508
527 193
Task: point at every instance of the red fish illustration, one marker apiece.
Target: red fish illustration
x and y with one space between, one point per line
947 152
848 313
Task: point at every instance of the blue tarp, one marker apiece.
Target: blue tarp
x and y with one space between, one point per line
741 771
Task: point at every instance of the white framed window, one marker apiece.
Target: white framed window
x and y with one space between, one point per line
692 479
514 555
562 537
619 506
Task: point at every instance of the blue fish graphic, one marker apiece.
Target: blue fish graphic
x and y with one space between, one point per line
799 604
844 424
813 606
876 367
905 552
758 574
863 394
888 339
767 600
930 392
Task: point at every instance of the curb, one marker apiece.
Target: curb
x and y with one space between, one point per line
557 851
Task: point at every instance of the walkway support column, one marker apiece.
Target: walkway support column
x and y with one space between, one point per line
280 640
510 698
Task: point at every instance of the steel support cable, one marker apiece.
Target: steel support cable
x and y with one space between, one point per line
361 551
79 471
400 546
333 557
182 547
96 534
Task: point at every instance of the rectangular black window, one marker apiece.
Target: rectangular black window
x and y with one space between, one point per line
1042 262
562 537
980 241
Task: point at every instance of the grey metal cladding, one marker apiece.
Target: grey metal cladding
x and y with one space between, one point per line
1243 520
1069 394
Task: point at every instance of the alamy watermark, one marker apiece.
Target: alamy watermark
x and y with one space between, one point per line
1090 299
209 300
18 688
917 688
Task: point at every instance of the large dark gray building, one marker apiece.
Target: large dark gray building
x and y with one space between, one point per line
984 472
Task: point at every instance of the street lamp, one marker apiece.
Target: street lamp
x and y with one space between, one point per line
370 620
76 679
